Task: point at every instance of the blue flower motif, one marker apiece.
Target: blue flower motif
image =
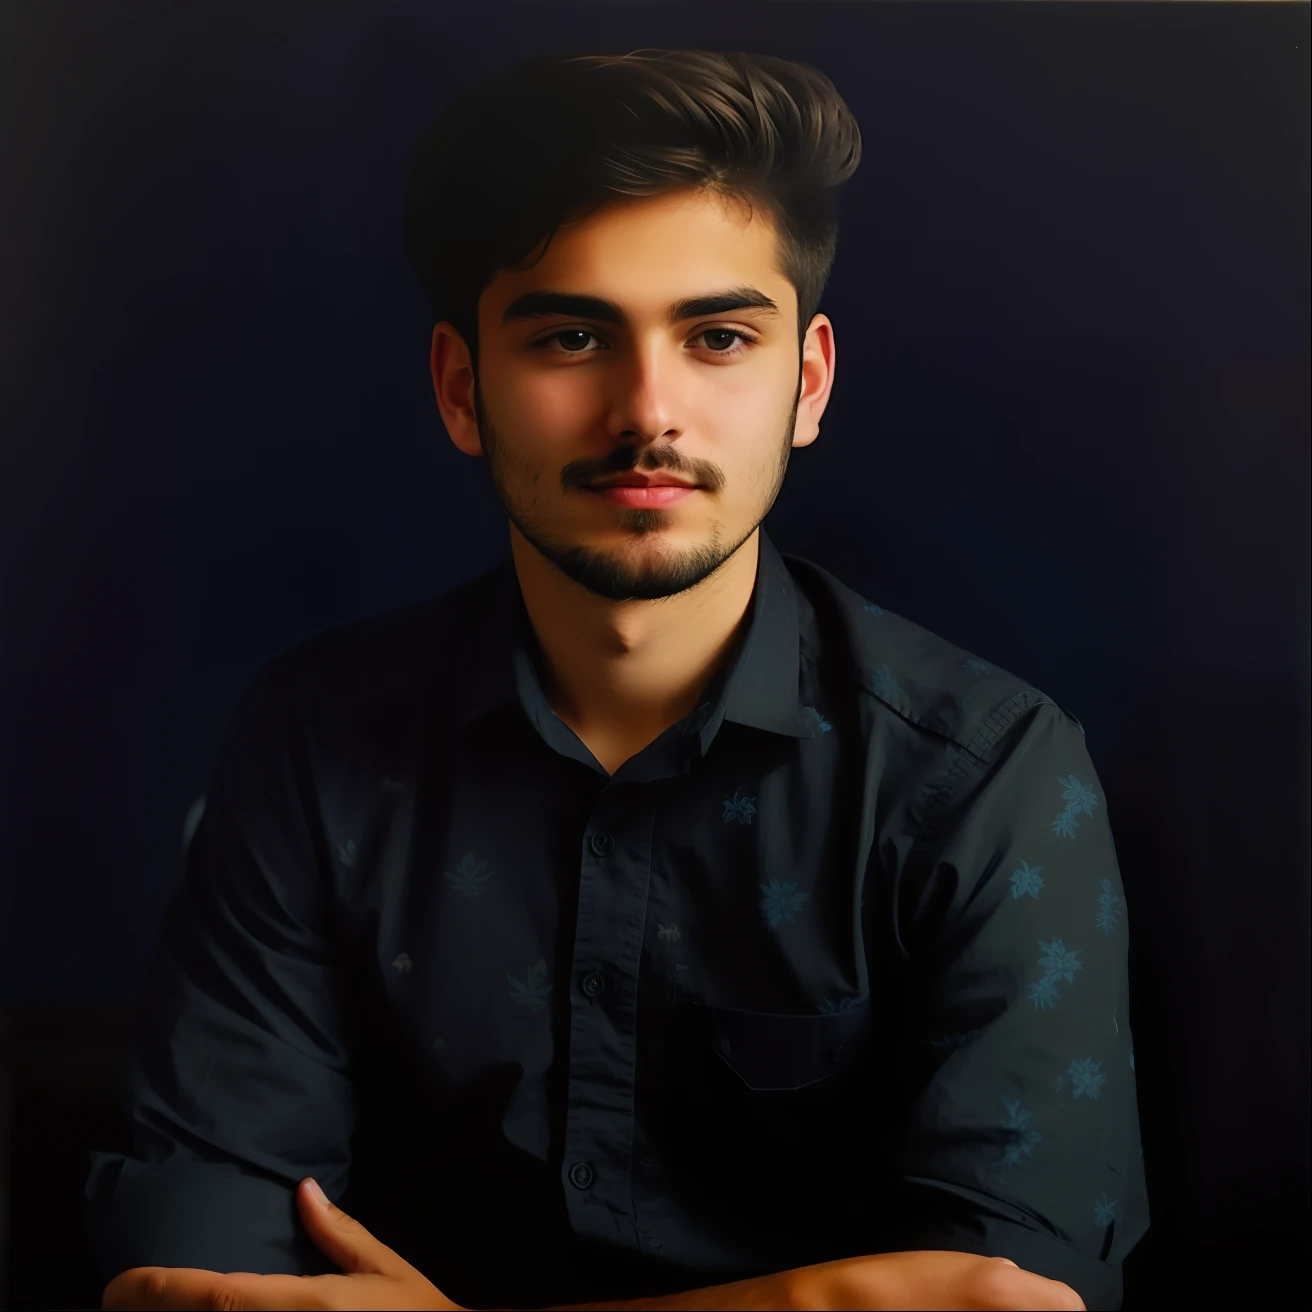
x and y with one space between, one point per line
1060 960
1019 1139
1058 963
876 611
885 684
346 852
1065 825
1111 907
469 878
740 808
534 993
1026 879
1084 1074
970 663
780 901
1104 1210
1079 798
825 726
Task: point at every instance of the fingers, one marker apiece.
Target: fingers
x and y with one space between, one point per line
1039 1292
183 1287
1019 1288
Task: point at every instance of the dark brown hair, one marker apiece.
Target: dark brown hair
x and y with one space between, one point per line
555 137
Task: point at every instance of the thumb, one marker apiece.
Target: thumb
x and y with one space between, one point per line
340 1236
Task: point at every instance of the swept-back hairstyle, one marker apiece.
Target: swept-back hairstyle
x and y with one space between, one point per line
555 137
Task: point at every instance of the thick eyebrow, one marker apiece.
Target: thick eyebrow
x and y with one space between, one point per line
541 304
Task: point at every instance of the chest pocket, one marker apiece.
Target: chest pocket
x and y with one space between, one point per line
764 1123
775 1053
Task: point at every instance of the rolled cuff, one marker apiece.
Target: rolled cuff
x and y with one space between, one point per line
196 1214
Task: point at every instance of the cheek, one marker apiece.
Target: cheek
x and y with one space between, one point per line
555 406
756 410
558 398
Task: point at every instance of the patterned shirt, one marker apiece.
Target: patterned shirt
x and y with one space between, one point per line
836 965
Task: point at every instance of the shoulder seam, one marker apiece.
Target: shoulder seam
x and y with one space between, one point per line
979 751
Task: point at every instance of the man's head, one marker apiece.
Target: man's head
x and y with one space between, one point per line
641 181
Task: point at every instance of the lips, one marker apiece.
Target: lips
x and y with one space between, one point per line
660 494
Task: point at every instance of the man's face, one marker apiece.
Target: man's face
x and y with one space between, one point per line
566 399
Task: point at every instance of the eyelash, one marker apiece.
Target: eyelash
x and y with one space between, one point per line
738 350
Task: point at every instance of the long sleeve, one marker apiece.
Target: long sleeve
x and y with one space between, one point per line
1020 1134
237 1083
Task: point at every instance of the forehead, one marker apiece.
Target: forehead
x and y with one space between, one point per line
644 253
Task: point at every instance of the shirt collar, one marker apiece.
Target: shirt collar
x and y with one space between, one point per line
759 688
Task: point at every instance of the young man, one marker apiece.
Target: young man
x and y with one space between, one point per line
652 913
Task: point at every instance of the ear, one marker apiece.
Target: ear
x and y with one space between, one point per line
453 386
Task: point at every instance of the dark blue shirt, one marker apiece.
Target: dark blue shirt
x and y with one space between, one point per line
836 965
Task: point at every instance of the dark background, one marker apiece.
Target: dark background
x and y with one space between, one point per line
1068 431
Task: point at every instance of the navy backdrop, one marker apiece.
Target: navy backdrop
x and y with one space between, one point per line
1069 431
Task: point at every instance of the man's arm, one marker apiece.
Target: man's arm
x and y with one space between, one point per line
900 1281
1018 1131
767 1293
236 1085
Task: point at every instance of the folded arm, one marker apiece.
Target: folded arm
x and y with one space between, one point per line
236 1085
1018 1135
886 1280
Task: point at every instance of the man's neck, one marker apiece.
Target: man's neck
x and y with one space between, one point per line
624 672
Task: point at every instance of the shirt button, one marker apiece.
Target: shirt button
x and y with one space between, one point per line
835 1054
580 1175
653 1243
602 842
593 984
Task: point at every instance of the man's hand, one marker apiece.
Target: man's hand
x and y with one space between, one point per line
907 1282
375 1277
924 1279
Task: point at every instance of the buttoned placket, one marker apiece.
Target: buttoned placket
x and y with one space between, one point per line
598 1145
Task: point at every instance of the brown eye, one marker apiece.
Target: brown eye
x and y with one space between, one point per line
745 341
569 332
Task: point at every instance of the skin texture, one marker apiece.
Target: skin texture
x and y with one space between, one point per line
637 610
926 1279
